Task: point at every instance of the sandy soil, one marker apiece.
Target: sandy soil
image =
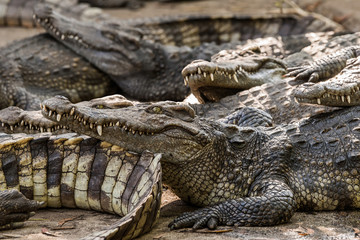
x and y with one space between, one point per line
325 225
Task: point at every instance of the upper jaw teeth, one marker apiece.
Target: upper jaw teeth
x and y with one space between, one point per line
91 125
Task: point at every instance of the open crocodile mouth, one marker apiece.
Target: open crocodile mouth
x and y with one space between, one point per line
210 71
213 81
77 118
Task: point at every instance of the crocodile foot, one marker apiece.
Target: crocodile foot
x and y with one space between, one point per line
206 217
15 208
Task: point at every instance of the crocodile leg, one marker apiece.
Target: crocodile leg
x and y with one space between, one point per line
272 204
326 67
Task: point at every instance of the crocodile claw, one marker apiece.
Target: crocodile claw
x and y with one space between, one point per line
304 72
207 217
15 208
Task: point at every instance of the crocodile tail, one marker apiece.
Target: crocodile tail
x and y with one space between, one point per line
75 171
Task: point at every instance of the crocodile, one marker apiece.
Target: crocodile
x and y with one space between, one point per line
102 117
72 170
246 175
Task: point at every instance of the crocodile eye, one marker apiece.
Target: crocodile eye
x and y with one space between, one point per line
99 106
157 110
237 142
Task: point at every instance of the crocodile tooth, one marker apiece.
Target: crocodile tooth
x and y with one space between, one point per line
296 99
117 124
2 124
186 80
91 125
72 111
343 98
199 71
212 76
204 73
141 133
62 36
357 88
84 122
319 101
348 98
99 129
133 132
22 123
50 112
41 129
58 117
235 78
11 127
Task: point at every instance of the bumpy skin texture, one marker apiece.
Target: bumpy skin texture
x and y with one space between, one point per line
70 170
247 175
38 67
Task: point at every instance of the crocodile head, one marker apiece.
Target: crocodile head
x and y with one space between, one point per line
161 127
339 91
229 72
137 65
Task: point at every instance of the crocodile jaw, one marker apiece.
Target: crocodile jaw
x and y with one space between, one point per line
214 80
329 93
135 127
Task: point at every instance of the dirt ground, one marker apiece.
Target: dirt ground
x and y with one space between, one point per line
46 224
